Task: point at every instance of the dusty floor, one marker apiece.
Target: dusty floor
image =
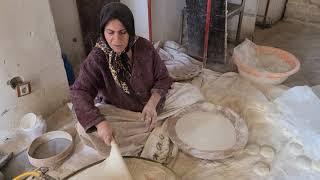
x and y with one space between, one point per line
302 41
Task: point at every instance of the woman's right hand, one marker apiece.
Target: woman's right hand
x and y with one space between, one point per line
105 132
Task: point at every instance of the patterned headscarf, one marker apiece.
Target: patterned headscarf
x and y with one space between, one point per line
119 65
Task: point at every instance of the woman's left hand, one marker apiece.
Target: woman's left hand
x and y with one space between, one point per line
149 114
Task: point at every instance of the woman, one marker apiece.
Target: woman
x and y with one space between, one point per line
125 70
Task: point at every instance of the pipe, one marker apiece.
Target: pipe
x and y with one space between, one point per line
265 15
226 33
284 9
182 25
149 20
206 34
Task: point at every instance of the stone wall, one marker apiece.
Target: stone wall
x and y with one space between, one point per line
305 11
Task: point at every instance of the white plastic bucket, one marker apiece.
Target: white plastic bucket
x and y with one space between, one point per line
32 125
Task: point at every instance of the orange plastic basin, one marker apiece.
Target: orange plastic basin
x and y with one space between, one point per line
260 76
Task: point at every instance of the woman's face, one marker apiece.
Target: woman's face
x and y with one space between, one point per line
116 35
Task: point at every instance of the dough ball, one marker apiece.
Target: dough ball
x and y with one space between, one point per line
252 149
261 169
303 162
316 165
267 152
296 149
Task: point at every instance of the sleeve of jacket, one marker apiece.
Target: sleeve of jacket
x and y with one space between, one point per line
161 76
84 91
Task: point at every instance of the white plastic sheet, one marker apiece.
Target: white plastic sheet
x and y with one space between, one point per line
316 90
179 64
301 110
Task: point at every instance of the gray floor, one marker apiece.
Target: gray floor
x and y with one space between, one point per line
302 41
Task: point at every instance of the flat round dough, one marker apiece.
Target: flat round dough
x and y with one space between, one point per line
261 169
112 168
206 131
102 171
253 149
267 152
303 162
296 149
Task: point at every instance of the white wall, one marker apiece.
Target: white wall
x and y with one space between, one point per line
67 23
166 19
248 21
275 11
139 10
29 48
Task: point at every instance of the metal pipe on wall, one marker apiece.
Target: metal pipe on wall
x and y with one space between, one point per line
206 33
264 24
150 20
284 10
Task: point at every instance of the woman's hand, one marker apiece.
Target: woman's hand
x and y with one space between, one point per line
149 112
105 132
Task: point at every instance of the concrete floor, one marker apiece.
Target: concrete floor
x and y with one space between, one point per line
302 41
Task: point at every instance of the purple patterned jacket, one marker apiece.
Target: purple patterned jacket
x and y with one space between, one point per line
149 74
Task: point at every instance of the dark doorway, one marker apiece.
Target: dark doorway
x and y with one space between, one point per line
89 12
196 17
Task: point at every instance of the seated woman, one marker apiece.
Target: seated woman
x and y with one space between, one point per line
126 71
